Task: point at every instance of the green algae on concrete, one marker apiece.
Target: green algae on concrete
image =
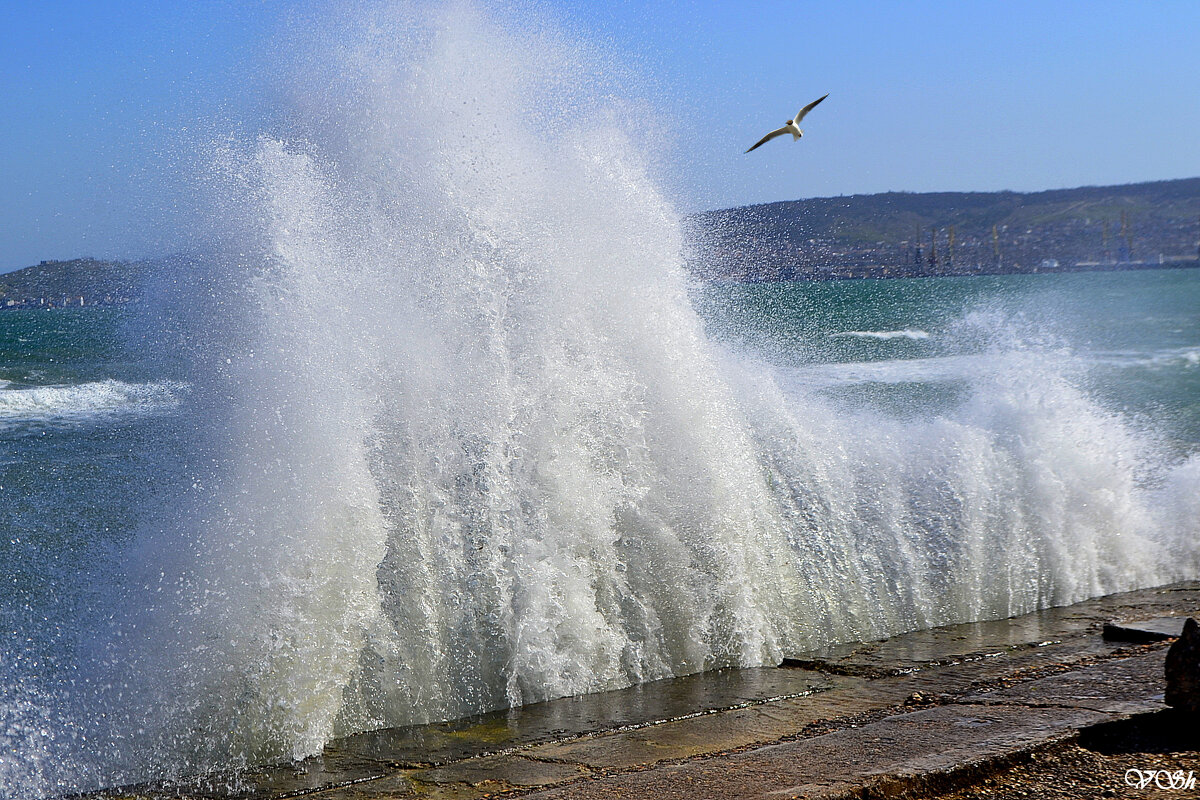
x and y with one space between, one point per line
525 726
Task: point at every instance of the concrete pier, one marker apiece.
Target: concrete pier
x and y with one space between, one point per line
915 715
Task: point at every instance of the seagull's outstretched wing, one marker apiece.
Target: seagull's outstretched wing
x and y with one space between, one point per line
770 136
809 108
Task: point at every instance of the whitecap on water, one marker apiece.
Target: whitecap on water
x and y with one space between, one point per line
908 333
84 403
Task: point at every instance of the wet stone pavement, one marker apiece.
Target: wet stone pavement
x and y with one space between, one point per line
916 715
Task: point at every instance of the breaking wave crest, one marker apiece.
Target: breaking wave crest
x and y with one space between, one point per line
907 333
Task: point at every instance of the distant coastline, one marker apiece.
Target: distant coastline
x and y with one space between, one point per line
776 273
900 234
893 235
79 282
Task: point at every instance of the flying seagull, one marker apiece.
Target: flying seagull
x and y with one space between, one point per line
792 126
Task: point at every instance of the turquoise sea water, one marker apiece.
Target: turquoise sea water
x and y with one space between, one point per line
86 437
1130 337
98 434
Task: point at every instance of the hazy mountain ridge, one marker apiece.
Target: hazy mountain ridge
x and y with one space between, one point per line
902 233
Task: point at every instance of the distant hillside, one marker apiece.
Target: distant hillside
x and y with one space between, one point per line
876 235
82 281
941 233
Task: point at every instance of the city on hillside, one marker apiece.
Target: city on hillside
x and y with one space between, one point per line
898 234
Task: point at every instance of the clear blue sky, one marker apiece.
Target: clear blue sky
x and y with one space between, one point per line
96 96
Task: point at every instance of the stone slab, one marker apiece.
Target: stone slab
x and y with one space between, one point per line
470 778
703 735
566 718
894 750
500 773
396 785
951 644
283 780
1118 686
1123 686
1155 629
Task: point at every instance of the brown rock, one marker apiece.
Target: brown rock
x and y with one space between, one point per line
1183 670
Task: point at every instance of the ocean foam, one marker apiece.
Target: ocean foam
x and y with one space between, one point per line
891 371
908 333
1167 358
76 404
